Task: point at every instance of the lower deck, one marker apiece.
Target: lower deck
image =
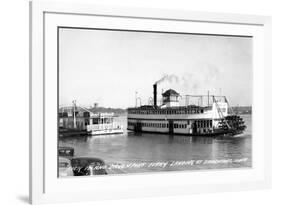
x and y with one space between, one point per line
196 126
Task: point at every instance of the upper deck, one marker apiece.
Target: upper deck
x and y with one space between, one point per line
216 111
175 106
152 110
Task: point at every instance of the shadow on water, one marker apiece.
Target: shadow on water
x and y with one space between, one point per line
77 138
186 139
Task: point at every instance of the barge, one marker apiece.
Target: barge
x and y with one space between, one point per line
80 121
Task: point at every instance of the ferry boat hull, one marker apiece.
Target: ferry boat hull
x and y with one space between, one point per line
203 127
211 134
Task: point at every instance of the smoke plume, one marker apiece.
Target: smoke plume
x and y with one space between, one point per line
169 78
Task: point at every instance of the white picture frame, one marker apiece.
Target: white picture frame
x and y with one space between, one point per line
45 187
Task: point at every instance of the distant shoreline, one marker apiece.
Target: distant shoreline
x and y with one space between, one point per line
241 110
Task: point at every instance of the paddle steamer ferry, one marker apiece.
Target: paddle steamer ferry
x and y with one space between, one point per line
214 118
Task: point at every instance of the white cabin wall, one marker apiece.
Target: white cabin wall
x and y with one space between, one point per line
172 104
223 107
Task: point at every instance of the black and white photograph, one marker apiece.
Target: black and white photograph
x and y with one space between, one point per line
138 102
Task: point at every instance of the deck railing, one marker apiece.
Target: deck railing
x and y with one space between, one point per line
109 126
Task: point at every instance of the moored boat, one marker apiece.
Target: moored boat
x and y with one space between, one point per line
80 121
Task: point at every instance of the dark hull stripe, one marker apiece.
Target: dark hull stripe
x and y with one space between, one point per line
171 119
190 134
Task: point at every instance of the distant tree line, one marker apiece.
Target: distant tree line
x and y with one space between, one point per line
242 109
116 111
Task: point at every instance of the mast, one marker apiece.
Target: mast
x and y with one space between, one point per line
74 115
136 99
208 98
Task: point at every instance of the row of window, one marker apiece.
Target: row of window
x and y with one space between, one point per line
101 120
204 123
160 125
166 112
77 114
198 123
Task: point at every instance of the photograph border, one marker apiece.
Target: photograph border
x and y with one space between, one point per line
59 28
37 85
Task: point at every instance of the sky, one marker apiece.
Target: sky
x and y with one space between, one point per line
109 67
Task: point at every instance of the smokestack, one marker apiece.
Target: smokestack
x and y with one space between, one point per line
155 94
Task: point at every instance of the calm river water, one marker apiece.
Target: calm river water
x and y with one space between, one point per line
137 153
